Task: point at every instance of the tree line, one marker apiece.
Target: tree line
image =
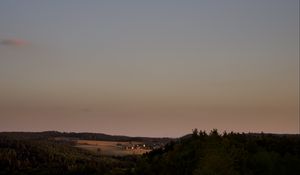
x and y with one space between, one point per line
198 153
225 154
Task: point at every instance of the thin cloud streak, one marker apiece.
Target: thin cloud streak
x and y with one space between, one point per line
14 42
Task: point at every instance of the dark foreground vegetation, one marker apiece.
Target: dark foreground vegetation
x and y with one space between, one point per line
197 153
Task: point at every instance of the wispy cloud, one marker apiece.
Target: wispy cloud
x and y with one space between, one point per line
14 42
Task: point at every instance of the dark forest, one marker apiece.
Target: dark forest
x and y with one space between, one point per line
196 153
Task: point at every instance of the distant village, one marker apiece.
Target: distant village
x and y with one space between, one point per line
132 146
121 145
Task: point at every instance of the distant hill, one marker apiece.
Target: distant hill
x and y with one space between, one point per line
82 135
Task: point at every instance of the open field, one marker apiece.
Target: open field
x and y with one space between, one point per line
113 148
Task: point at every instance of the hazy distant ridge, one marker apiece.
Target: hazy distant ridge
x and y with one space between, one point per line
82 135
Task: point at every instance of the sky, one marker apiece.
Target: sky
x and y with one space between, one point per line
149 68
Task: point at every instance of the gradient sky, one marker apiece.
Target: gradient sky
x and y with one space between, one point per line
149 68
